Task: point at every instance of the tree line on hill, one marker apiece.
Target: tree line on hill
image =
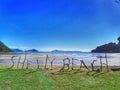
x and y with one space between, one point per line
4 48
108 48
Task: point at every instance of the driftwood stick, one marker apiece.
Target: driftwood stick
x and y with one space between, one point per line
106 62
73 63
12 61
66 64
18 62
24 59
92 65
80 64
84 65
38 64
27 64
46 61
51 63
101 64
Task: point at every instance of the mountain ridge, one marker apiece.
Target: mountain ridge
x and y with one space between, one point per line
37 51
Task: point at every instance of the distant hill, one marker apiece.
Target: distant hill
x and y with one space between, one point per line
4 48
17 50
109 48
37 51
60 51
32 50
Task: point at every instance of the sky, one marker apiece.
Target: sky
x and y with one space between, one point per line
46 25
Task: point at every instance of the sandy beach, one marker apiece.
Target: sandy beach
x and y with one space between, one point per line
113 58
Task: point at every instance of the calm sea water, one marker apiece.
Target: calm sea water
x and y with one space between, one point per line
113 58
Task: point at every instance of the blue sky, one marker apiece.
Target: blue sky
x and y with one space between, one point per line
59 24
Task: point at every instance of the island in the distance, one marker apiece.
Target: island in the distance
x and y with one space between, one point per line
108 48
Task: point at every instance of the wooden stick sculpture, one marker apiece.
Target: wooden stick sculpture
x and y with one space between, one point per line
51 63
73 63
92 65
12 60
101 63
106 62
38 66
66 62
27 64
82 63
24 59
46 62
18 62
